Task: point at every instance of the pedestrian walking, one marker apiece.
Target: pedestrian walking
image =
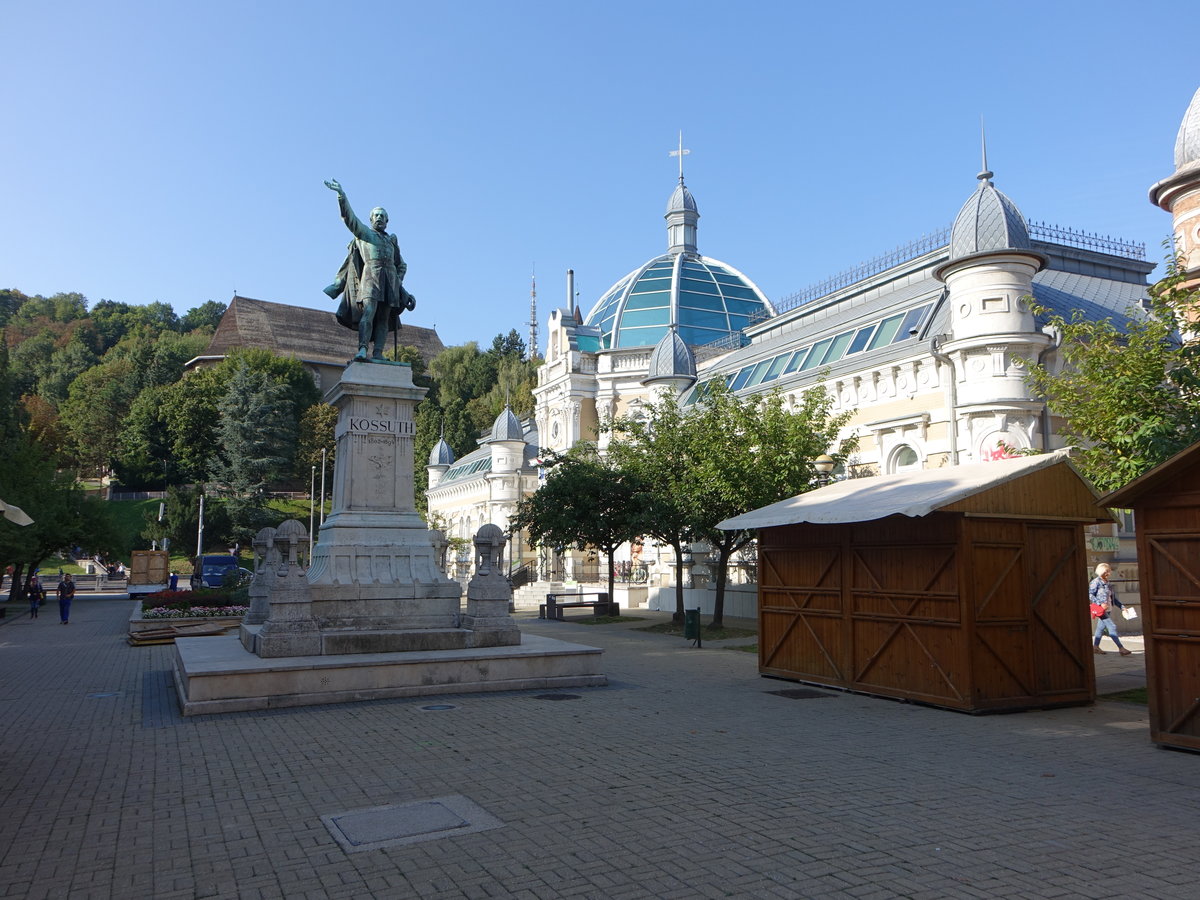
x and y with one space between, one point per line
66 593
35 595
1102 598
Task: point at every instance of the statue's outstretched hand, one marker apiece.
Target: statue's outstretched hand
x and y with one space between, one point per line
334 186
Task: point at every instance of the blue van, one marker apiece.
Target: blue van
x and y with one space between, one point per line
214 569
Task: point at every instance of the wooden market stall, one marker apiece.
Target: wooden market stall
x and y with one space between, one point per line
962 587
1166 513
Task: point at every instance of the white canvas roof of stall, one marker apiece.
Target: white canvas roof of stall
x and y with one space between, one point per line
908 493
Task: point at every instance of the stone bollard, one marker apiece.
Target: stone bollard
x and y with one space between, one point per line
290 629
267 560
489 594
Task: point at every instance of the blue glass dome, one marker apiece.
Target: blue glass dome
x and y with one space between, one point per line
704 298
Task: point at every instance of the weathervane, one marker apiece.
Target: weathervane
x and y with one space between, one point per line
681 153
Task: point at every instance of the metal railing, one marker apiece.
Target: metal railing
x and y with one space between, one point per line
1038 231
1070 237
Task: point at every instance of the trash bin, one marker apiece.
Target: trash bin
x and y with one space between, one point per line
691 624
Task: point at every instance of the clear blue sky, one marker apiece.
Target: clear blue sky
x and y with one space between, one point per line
175 152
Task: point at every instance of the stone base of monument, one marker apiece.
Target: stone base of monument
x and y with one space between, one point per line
218 675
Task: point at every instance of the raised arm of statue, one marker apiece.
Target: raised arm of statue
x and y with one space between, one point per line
359 229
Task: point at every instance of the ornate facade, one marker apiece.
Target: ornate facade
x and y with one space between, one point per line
927 348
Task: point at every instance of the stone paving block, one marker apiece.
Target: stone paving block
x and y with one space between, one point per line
875 787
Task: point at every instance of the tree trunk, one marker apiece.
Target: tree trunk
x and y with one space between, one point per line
16 589
678 617
611 576
724 552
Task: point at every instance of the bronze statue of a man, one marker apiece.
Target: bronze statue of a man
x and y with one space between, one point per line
371 280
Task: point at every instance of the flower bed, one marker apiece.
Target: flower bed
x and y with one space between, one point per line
198 612
176 608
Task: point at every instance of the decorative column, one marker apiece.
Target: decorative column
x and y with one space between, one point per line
489 594
267 559
290 629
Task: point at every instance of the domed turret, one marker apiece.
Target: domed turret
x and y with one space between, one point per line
441 454
441 458
703 298
507 427
988 277
682 216
672 364
507 443
987 222
1180 194
1187 143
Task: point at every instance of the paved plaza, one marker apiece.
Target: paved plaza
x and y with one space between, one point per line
687 776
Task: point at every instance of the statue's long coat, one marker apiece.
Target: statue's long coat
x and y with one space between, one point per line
385 284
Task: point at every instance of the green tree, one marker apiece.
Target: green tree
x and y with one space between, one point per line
30 358
11 300
256 436
93 411
1128 394
207 316
316 433
189 412
192 409
64 366
725 455
510 346
62 307
144 457
586 501
659 445
63 515
754 451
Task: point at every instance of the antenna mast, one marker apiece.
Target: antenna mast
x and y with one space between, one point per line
533 339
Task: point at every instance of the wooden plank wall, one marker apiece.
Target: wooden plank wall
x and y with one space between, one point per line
970 614
1168 531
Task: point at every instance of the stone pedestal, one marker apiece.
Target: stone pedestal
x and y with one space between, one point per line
374 583
290 629
373 615
489 594
266 558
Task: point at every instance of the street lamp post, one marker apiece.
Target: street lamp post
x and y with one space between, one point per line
312 505
824 465
322 485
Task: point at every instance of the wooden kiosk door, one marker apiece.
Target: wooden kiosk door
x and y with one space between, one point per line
1171 609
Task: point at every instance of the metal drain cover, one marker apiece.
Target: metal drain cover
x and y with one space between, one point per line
801 694
555 696
407 823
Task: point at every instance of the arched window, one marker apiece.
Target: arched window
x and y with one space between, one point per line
903 459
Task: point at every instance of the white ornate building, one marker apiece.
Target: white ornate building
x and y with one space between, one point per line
927 347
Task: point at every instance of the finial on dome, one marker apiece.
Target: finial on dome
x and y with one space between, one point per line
986 174
681 153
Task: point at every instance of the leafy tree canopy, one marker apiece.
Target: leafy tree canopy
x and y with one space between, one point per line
1128 394
724 456
586 501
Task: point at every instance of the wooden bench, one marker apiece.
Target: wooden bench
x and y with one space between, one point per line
556 603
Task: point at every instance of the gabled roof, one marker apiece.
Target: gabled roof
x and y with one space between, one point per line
976 488
311 335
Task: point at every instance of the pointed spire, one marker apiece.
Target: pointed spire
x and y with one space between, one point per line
986 174
681 153
682 213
